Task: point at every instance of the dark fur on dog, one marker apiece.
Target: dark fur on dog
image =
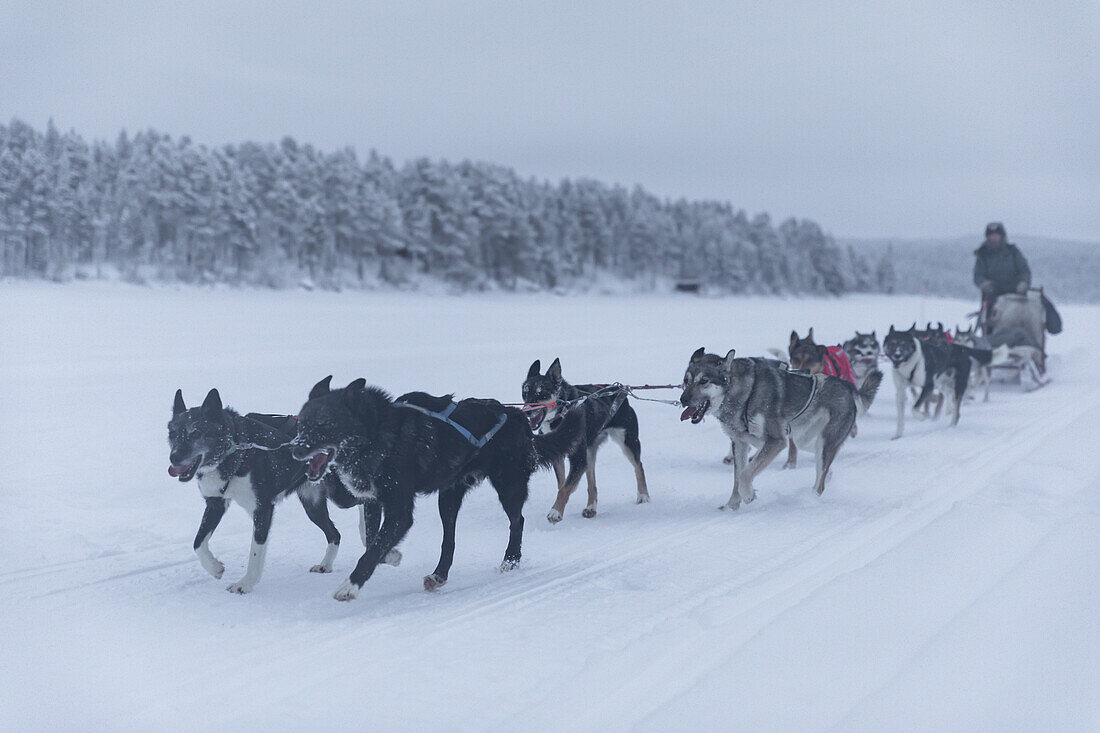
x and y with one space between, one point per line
388 452
600 418
206 442
929 364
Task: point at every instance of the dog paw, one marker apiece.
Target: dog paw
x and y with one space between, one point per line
748 499
321 569
896 437
588 512
433 581
642 499
730 507
393 557
510 563
554 516
788 466
728 460
240 587
347 591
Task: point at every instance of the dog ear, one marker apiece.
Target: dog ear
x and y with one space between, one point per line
554 372
356 384
729 358
873 335
913 328
213 402
794 338
535 370
177 404
699 353
892 329
321 388
810 334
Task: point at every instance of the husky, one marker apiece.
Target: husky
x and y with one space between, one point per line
928 365
982 374
812 358
390 450
236 458
762 405
863 351
603 415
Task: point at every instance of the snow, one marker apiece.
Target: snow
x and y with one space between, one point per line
944 581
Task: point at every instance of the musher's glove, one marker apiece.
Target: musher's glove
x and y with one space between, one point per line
987 287
1021 287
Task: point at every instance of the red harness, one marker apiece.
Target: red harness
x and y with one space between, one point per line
836 364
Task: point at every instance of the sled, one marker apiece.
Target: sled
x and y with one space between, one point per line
1017 321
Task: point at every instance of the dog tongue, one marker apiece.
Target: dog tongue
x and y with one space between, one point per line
688 413
174 471
317 462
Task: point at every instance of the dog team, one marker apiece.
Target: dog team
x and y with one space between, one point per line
358 446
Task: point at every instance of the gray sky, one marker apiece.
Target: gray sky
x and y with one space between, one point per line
893 118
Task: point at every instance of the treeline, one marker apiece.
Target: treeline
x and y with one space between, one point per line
152 207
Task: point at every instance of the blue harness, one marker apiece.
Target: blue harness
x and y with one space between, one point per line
444 415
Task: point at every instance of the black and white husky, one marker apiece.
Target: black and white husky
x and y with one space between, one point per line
604 415
236 458
390 451
981 375
929 365
761 405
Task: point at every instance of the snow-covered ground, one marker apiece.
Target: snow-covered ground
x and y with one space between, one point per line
946 581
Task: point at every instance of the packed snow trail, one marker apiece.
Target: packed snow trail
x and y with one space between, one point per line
944 581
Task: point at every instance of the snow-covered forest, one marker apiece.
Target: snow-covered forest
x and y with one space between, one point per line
151 207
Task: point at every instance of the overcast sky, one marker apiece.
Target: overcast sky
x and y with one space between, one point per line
898 119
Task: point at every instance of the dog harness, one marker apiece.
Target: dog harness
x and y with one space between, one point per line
836 364
444 415
809 400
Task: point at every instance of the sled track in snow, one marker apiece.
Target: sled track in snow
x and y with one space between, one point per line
748 601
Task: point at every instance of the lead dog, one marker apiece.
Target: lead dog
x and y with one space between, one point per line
236 459
390 450
761 405
604 415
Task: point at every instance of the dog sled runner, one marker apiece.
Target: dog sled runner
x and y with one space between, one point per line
1017 321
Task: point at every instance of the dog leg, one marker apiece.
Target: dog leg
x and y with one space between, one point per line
316 506
792 455
261 525
728 460
370 517
512 493
632 449
740 453
759 462
450 501
215 510
901 398
827 447
398 518
559 471
987 377
577 466
590 473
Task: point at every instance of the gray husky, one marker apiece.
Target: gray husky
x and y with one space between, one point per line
761 404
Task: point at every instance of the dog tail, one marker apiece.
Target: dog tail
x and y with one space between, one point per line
781 355
982 356
560 442
865 395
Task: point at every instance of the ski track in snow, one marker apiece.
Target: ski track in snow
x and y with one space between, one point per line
944 581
